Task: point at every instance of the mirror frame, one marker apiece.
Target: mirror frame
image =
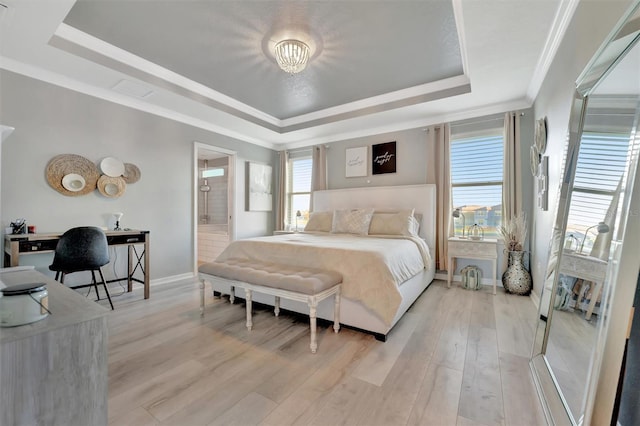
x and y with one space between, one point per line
611 52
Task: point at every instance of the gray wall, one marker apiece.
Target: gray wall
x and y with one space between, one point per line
412 166
51 120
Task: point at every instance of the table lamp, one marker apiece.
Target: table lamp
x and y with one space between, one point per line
118 216
456 214
602 228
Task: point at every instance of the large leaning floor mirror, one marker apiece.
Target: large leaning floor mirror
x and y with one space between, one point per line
593 205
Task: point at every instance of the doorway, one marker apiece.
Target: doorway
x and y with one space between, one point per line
213 196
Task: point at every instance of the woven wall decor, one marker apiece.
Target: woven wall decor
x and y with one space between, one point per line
131 173
111 187
72 164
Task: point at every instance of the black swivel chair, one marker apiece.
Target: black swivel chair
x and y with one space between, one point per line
83 248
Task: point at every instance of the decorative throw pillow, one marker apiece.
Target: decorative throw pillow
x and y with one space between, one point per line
397 223
351 221
320 222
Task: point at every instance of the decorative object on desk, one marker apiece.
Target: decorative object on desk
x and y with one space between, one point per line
23 304
298 215
111 187
356 162
456 214
64 165
31 229
131 173
19 226
383 158
475 232
516 279
117 216
112 167
259 190
471 277
602 228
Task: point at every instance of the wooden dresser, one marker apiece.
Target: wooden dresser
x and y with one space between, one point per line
54 371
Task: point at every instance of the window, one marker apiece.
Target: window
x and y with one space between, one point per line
476 179
298 188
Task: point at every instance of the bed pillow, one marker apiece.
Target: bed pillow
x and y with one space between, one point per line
355 221
319 222
397 223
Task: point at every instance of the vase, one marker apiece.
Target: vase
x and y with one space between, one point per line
516 279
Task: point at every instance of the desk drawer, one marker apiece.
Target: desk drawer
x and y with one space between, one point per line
469 248
35 246
125 239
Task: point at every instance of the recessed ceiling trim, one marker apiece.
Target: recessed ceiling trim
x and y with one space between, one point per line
422 90
85 45
380 107
459 18
128 101
561 22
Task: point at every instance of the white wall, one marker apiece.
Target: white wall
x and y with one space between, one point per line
51 120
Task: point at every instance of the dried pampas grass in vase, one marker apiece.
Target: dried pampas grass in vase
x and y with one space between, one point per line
514 232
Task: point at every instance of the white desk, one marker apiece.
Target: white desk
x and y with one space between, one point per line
587 268
486 249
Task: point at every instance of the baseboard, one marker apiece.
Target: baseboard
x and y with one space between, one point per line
173 279
535 299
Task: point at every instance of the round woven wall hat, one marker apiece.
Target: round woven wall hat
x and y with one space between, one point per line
131 173
71 164
111 187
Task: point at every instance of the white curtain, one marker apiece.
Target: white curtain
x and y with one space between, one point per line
438 145
281 207
318 171
512 180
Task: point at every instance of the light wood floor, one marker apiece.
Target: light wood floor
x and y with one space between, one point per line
456 358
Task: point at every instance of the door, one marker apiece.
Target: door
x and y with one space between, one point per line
213 201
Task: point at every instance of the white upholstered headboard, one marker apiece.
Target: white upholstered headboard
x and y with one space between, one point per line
422 198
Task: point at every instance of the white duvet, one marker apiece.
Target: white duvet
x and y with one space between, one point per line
372 267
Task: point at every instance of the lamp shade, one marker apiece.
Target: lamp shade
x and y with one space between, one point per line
292 55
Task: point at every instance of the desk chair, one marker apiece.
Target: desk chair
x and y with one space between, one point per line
83 248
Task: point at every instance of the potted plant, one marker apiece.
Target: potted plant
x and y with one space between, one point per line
516 279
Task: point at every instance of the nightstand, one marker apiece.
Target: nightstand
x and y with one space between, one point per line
485 249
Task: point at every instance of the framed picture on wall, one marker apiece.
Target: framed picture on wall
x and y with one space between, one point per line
259 189
356 162
383 158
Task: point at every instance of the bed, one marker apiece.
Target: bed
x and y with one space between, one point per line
383 274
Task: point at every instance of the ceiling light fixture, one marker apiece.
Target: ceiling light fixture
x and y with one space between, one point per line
292 55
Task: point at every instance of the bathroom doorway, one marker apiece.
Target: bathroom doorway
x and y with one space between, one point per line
213 195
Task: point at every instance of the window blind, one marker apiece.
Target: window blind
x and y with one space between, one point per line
476 179
602 161
298 188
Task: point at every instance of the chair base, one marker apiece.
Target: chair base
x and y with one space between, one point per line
94 283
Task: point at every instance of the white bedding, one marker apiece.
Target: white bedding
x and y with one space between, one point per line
372 267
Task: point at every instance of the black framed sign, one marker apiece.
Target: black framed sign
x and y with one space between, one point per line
383 158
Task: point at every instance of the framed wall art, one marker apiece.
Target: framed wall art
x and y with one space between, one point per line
383 158
356 162
259 187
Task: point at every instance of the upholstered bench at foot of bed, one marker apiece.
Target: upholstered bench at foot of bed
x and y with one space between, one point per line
291 282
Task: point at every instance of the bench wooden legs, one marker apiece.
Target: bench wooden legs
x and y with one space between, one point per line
276 306
313 305
336 312
247 294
